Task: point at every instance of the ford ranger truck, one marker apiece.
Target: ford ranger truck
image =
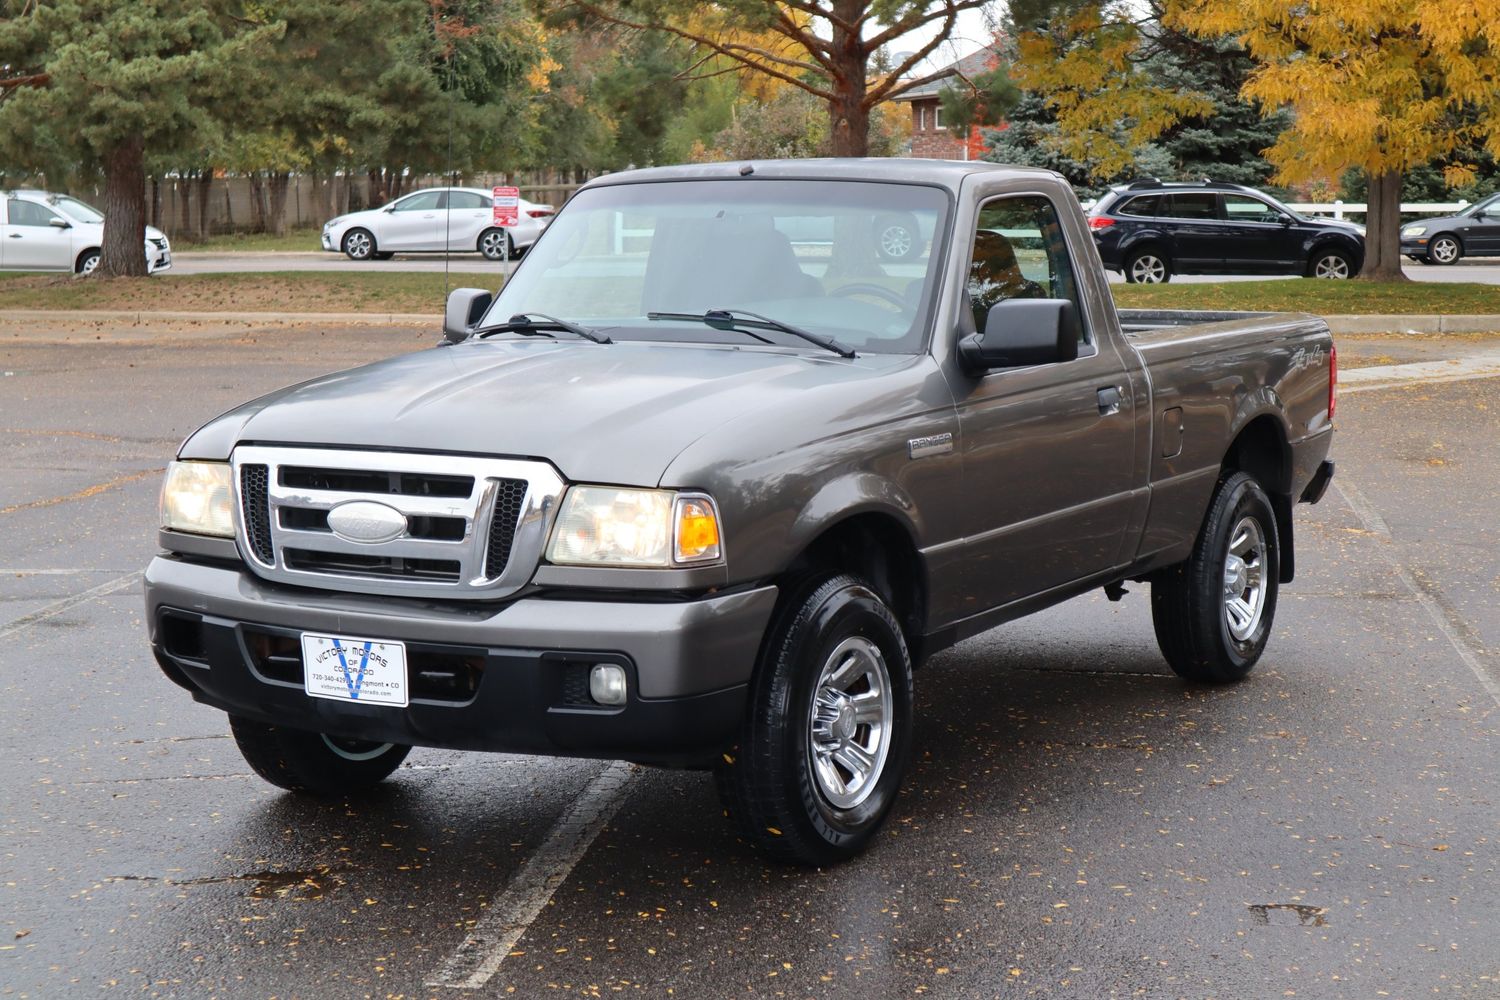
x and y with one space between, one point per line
711 475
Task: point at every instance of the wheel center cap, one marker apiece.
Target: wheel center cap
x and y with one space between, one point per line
843 726
1235 578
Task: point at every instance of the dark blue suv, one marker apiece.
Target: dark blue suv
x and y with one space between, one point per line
1150 230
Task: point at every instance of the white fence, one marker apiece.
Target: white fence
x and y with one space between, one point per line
1338 209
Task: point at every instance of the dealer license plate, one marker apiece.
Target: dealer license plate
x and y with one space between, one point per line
345 668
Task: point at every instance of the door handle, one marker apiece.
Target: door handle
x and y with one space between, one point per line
15 236
1109 400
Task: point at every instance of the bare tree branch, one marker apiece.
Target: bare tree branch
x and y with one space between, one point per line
892 85
919 16
723 48
30 80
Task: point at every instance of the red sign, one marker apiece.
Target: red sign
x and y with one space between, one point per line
507 206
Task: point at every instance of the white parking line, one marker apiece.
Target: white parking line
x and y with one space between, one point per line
533 884
1372 522
58 607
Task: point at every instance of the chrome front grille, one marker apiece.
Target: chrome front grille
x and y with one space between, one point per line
378 522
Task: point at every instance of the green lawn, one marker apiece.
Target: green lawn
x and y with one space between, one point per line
275 291
1311 295
295 239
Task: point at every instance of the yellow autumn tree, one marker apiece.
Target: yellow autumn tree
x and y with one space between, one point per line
1083 60
1378 85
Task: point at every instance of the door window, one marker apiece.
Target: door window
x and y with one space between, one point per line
29 213
1194 206
1241 208
1020 253
460 200
423 201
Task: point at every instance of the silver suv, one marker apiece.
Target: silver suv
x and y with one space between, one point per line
40 231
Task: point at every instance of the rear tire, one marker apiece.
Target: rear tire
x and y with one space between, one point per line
897 237
828 727
321 765
496 244
1213 612
88 263
1147 267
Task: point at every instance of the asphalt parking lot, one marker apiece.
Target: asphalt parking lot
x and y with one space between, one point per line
1077 822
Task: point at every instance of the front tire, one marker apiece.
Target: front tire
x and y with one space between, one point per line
828 728
359 244
495 244
1213 612
1444 250
312 762
1147 267
1331 264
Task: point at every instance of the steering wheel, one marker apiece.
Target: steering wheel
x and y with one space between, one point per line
867 288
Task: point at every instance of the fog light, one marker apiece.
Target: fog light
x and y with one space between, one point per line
607 684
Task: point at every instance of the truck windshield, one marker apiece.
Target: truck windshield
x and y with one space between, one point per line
852 261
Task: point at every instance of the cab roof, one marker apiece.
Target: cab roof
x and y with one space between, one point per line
946 173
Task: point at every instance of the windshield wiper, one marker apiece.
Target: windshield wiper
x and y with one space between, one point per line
537 324
729 319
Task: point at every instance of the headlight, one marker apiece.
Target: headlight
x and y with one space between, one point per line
606 526
198 497
1414 231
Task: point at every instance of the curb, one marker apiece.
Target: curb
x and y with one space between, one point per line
1414 324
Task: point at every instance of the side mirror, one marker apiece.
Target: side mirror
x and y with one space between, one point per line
389 208
1022 332
59 223
1284 219
465 308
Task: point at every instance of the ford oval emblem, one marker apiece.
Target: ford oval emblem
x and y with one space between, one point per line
366 521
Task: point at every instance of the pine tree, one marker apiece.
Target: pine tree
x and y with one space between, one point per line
112 79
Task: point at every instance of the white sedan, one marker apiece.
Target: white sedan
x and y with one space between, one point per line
432 221
57 232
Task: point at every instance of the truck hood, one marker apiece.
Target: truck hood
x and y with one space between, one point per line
615 413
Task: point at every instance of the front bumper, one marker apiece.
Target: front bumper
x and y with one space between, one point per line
1414 246
328 240
507 678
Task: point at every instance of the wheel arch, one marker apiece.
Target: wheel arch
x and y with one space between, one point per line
1261 448
877 544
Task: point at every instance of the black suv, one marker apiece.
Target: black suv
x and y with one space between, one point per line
1150 230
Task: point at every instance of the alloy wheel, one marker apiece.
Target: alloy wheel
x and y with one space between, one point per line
849 735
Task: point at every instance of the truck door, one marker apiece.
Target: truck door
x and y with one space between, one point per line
1048 451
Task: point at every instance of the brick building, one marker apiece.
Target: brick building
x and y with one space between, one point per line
930 138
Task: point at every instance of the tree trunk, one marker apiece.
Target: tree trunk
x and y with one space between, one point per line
124 251
848 118
205 190
1383 229
185 203
276 214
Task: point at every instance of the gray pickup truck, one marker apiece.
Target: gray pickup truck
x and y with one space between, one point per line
715 471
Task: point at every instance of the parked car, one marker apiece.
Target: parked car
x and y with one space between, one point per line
1473 232
40 231
708 502
435 220
1151 230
